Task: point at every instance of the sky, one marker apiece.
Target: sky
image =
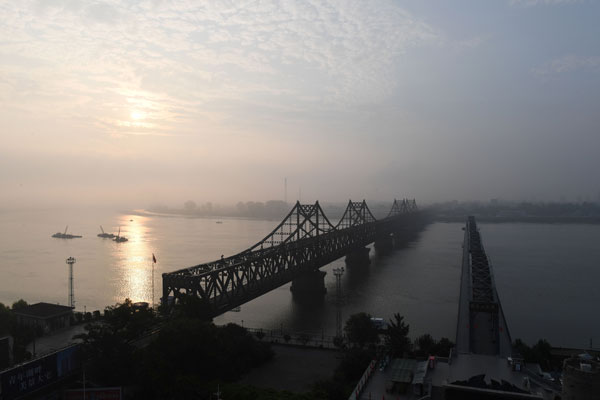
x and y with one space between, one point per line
157 102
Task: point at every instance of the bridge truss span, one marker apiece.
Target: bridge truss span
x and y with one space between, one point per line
302 243
482 327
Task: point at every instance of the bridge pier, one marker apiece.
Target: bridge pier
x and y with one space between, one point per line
384 244
309 283
358 257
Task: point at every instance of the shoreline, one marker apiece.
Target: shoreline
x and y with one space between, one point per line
147 213
530 220
442 219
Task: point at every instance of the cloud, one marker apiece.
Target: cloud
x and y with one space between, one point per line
199 58
472 43
568 63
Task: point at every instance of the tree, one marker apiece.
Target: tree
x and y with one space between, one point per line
396 338
360 330
425 344
19 304
189 352
110 354
540 352
109 343
442 348
191 306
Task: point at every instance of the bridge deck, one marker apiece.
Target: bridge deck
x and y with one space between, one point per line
481 326
462 327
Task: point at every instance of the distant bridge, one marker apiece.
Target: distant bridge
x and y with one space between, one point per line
294 251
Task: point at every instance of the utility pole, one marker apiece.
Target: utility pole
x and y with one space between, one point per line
71 261
153 264
338 272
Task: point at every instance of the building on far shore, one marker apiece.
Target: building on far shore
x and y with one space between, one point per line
45 316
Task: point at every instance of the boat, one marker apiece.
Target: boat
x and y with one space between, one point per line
119 238
105 235
219 222
65 235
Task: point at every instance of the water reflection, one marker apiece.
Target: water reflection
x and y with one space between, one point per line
133 260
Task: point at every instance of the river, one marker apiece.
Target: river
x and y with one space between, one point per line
547 274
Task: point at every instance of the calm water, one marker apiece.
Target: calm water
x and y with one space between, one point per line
547 275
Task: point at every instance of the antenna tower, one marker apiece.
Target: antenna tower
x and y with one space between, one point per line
71 261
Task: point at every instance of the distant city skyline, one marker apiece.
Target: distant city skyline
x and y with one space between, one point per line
157 102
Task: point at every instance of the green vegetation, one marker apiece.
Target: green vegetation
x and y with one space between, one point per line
360 331
540 353
186 356
396 338
425 345
108 343
179 360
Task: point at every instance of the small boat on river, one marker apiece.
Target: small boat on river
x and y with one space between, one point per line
119 238
105 235
65 235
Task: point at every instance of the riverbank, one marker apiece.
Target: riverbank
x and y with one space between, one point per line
521 219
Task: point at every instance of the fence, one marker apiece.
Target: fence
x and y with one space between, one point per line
364 379
310 339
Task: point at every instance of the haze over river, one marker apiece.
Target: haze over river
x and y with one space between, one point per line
547 274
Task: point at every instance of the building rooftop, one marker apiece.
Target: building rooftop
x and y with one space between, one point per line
44 310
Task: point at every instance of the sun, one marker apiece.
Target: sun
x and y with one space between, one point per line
137 115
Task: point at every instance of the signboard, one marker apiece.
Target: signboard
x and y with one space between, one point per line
36 374
28 377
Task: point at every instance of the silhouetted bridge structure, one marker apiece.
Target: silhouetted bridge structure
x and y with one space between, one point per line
482 327
303 242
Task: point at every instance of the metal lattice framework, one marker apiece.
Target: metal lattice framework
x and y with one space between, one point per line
403 207
303 242
356 214
482 287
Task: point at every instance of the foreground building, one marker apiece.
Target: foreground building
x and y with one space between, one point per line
45 317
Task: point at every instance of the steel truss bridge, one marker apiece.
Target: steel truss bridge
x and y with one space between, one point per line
303 242
482 327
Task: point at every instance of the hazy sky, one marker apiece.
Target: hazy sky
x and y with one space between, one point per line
160 101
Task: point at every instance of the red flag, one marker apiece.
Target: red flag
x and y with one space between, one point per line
153 258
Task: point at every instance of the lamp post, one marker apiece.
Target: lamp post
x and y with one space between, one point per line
338 272
70 262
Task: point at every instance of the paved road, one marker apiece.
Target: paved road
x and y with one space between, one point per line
56 341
